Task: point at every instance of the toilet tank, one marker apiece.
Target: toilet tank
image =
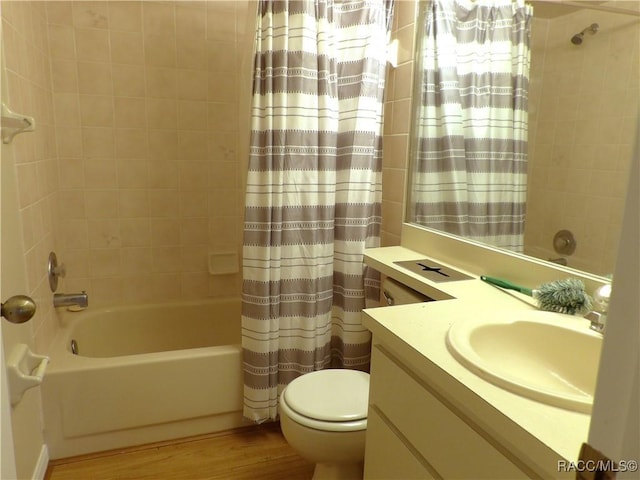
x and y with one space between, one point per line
396 293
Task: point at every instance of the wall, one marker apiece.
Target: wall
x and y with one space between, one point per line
28 91
146 99
615 417
29 184
397 121
583 112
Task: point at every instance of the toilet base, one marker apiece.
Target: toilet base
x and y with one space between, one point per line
338 471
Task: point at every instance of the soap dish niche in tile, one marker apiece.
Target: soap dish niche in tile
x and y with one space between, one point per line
223 263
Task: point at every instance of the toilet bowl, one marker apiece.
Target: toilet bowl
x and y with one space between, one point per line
323 416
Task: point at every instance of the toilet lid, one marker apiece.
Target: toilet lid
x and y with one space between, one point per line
333 395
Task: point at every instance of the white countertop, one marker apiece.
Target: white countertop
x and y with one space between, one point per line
526 427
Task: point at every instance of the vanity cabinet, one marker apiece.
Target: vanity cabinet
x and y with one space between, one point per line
414 432
389 456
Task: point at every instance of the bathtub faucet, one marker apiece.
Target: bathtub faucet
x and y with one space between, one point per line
69 299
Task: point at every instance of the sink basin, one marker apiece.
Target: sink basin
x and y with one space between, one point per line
549 357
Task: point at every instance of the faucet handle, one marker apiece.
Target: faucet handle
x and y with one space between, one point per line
60 270
598 321
601 298
598 316
55 270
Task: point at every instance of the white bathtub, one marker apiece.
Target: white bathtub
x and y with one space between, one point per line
143 373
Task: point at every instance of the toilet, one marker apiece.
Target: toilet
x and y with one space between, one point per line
323 416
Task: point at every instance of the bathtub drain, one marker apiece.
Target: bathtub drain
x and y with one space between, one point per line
74 347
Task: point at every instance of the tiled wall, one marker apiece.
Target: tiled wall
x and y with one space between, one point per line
146 98
28 91
397 121
583 115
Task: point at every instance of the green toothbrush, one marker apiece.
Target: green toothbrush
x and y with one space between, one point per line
562 296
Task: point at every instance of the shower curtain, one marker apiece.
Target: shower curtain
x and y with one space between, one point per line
313 191
471 131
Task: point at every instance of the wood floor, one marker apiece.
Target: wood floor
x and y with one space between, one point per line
253 453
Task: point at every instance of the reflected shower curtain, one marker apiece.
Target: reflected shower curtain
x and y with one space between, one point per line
471 134
313 191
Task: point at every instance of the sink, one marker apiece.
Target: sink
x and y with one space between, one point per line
549 357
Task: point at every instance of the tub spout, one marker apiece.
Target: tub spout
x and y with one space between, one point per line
69 299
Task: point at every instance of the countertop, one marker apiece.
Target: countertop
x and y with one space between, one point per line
540 433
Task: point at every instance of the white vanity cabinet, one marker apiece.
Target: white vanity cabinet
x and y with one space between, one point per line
387 453
414 433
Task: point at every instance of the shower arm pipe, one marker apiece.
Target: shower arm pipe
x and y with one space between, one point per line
602 8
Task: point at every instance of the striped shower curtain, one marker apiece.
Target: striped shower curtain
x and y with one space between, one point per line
313 191
471 132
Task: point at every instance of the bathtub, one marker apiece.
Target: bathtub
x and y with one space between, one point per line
143 373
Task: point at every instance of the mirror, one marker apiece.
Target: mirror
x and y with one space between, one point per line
582 115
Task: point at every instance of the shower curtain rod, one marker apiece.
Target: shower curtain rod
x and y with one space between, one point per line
602 8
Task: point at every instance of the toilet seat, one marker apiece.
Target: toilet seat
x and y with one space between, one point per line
331 400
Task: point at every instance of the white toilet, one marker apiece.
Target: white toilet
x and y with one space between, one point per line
323 416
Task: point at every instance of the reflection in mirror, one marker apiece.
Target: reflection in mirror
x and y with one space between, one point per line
553 155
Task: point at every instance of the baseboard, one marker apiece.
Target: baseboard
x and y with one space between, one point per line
40 469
